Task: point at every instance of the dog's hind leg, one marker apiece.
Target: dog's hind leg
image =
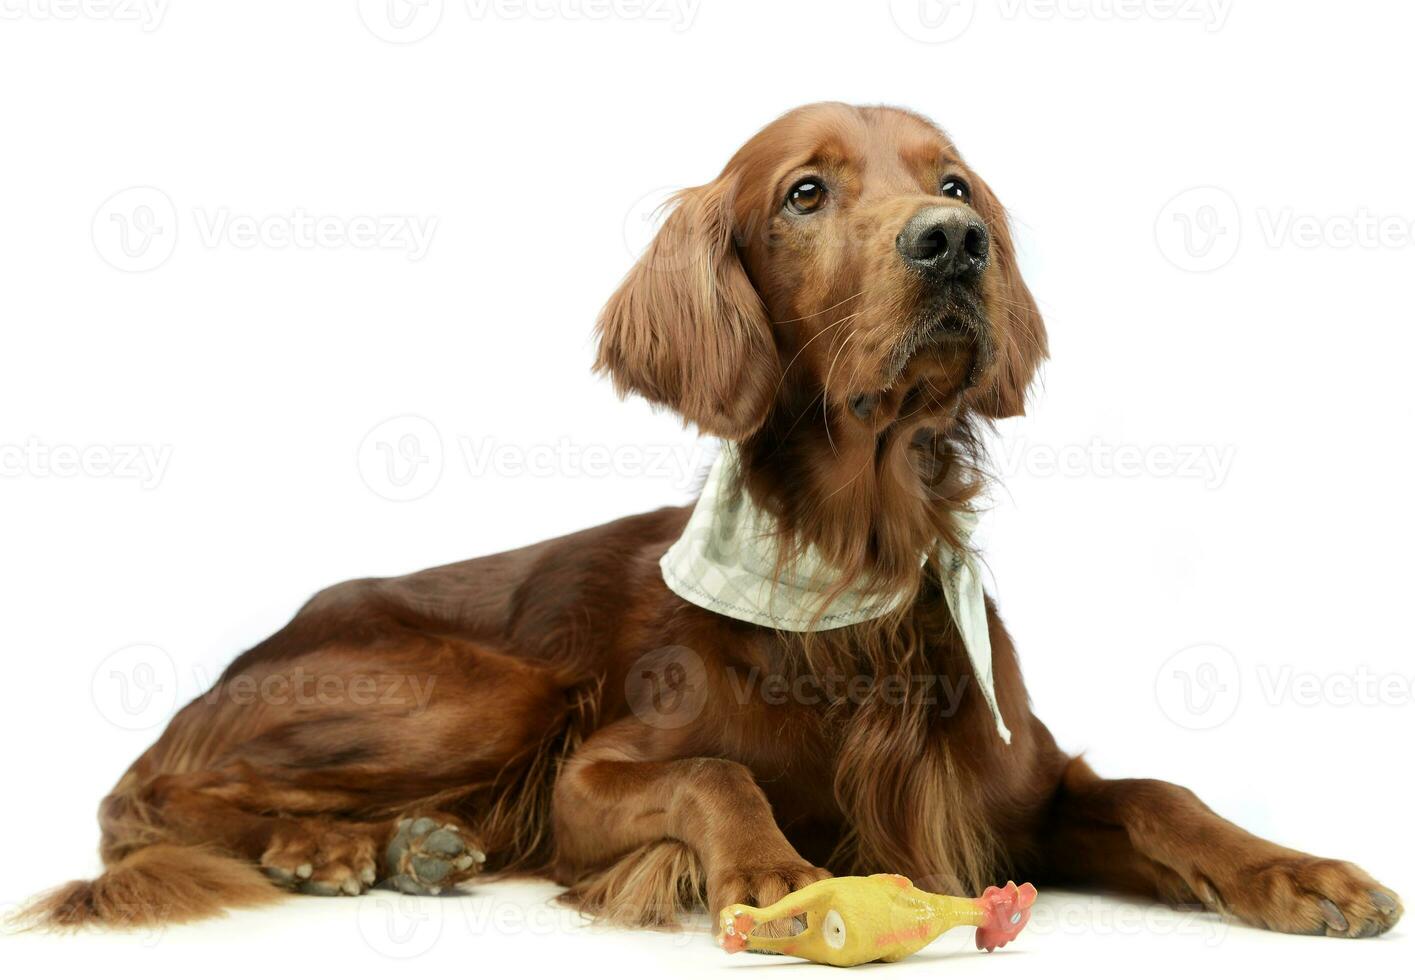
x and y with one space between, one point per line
297 837
320 770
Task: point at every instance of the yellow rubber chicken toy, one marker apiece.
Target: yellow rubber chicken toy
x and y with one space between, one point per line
850 921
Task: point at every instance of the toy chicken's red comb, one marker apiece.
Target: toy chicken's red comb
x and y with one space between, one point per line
1007 909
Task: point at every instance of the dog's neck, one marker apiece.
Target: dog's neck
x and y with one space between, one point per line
738 560
872 494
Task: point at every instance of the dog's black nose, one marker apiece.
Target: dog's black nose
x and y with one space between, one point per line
944 241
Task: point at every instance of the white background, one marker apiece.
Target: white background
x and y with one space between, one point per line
1261 325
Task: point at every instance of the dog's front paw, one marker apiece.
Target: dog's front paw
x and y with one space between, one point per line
1299 893
759 887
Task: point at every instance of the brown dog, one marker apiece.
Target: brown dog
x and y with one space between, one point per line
844 306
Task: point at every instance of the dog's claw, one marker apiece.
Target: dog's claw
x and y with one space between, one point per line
1335 920
324 889
864 405
1385 903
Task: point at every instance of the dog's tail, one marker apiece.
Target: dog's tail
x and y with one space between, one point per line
152 886
148 880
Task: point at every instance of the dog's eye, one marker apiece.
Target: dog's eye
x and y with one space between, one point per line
806 196
953 187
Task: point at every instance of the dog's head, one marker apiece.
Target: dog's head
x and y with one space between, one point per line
846 256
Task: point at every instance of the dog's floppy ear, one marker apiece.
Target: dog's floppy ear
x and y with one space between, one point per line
686 329
1021 335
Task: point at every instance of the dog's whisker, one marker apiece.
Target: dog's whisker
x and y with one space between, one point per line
819 312
814 337
827 402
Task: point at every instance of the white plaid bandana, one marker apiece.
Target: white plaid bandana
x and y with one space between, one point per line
725 561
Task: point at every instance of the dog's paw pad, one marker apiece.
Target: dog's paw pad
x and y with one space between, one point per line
423 857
